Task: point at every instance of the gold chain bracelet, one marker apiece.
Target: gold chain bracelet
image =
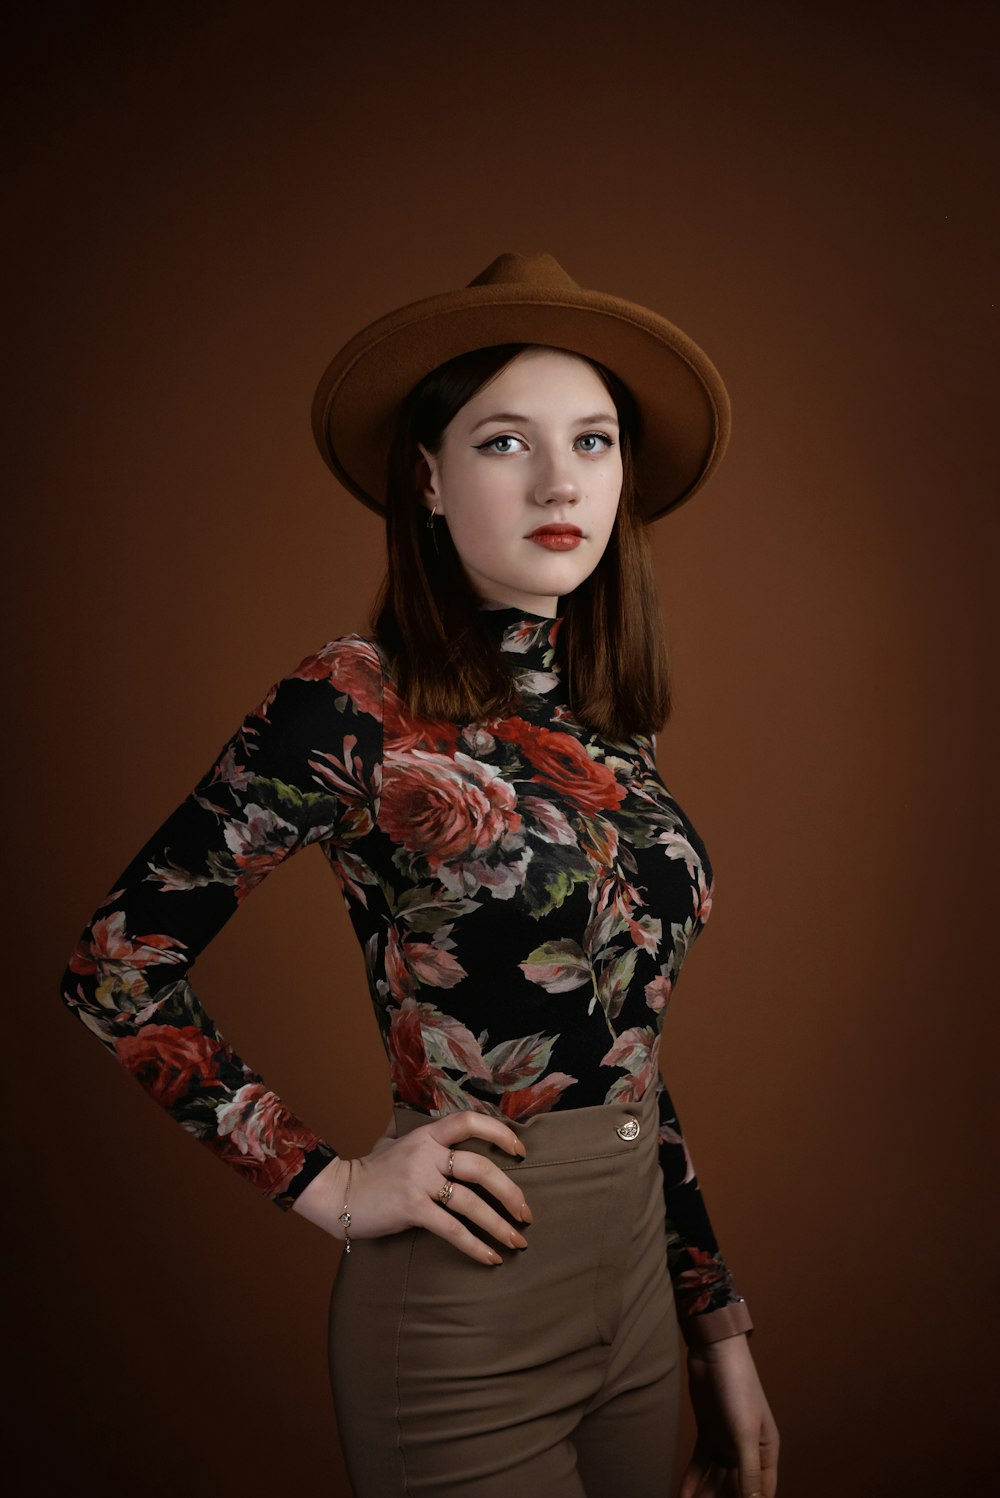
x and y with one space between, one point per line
345 1216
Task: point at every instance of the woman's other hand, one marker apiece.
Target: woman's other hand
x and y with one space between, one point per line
736 1452
398 1184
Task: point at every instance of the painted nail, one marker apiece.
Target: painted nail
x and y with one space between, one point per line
526 1213
495 1257
517 1241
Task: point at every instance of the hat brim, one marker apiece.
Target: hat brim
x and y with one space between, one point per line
683 401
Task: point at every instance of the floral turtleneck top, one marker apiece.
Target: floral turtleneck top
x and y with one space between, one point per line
524 892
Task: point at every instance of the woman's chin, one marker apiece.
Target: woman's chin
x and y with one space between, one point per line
552 577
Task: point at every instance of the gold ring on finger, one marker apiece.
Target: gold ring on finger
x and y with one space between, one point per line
444 1195
449 1169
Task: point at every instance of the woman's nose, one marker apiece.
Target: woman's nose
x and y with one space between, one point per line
556 484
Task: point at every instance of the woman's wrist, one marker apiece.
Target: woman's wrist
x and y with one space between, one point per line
715 1326
723 1350
323 1200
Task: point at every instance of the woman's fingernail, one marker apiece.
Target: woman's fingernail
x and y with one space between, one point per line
521 1150
526 1213
495 1257
517 1241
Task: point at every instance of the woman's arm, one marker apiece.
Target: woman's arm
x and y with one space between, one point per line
736 1451
709 1306
302 767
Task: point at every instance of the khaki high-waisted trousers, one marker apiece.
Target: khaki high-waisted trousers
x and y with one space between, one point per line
554 1373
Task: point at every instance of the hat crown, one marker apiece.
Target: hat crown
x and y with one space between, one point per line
540 270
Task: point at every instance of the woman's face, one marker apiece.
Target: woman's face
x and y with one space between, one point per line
533 453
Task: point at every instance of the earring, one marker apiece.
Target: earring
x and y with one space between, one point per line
430 518
433 529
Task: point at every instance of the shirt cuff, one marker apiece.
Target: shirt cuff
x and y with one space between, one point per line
712 1326
314 1159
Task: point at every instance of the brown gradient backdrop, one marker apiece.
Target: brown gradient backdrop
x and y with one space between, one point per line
207 202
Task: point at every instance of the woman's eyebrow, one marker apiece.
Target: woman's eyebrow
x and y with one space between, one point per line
604 416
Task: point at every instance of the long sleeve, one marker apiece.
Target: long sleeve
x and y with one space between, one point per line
709 1307
303 767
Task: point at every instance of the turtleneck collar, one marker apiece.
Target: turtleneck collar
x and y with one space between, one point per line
528 639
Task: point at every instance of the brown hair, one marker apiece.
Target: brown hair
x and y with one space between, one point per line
427 614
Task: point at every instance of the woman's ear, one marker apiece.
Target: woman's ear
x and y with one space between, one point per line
427 477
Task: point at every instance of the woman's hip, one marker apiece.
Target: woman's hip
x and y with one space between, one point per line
446 1370
592 1180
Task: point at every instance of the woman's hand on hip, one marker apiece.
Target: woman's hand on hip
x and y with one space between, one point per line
736 1451
399 1185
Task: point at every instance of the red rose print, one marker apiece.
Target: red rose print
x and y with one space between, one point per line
405 731
169 1060
448 807
423 1041
351 667
563 763
358 673
261 1138
412 1077
694 1286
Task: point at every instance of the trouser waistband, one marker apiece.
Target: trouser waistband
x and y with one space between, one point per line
566 1134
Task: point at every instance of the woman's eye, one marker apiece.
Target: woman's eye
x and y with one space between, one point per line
502 443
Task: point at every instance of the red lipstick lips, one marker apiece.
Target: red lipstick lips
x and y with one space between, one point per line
557 537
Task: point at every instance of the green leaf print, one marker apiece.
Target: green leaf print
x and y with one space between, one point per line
307 809
428 908
558 966
614 980
682 937
548 883
519 1063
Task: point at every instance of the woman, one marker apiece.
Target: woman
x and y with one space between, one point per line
527 1238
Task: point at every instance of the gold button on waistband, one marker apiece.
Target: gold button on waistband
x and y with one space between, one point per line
629 1129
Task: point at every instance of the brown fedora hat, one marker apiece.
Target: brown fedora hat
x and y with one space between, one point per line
526 299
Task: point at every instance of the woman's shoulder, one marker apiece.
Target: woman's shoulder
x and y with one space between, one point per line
337 655
352 665
344 675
